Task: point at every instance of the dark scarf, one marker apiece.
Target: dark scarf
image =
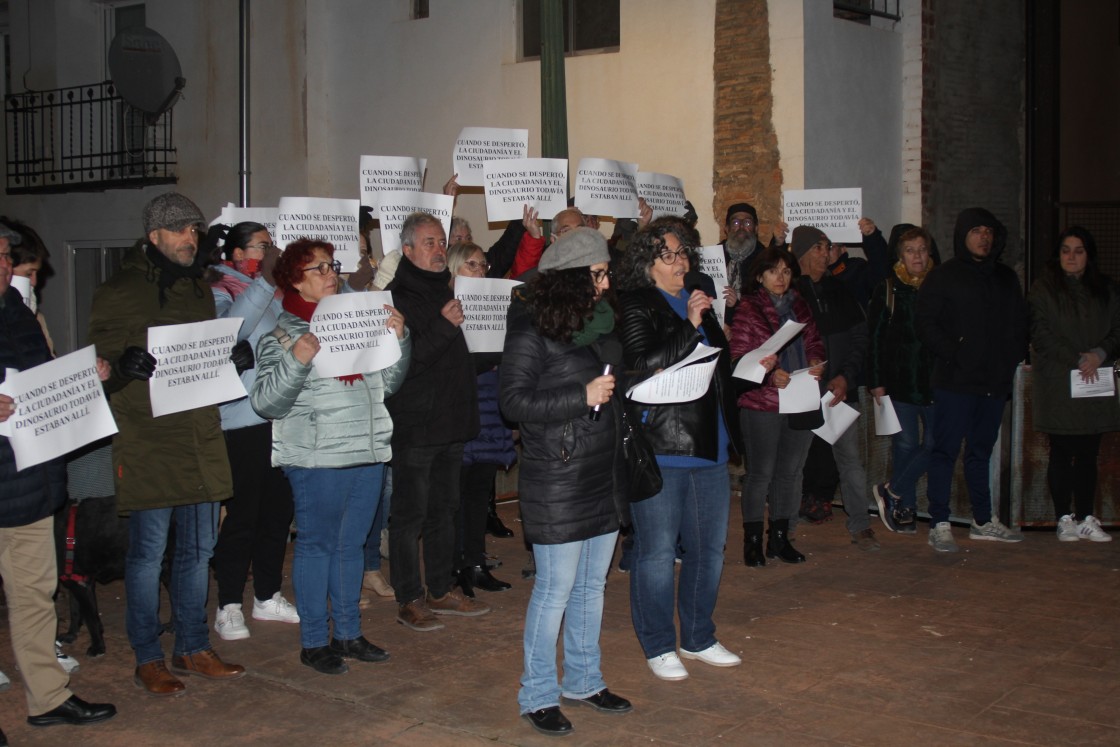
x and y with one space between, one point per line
297 305
600 323
171 272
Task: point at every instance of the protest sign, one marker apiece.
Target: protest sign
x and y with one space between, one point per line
664 193
389 174
396 206
324 219
353 338
801 394
684 381
485 302
749 367
477 145
714 264
510 184
193 368
60 406
834 211
605 187
23 285
231 215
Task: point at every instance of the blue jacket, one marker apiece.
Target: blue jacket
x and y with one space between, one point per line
494 442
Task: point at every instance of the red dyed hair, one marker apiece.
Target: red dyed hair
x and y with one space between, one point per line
289 268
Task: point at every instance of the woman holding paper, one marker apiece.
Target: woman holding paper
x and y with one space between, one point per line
1075 331
775 452
331 436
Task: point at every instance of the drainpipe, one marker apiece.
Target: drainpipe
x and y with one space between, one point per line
243 102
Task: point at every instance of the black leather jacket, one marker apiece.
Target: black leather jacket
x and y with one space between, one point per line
653 337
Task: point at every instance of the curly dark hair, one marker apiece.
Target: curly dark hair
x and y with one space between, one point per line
633 269
1053 277
289 268
768 259
561 301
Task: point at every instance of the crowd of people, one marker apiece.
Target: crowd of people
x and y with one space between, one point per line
411 451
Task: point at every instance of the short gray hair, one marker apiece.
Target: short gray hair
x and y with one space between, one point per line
414 221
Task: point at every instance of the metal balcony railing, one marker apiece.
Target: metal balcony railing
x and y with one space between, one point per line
84 138
862 10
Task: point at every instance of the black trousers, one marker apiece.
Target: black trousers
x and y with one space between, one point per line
476 485
1073 472
258 518
820 477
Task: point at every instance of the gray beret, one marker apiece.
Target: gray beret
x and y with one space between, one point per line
580 247
172 211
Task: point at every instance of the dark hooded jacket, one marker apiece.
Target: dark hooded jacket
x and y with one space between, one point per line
972 315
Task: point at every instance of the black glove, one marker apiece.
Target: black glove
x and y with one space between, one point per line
136 363
242 356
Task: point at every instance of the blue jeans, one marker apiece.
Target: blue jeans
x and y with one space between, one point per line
334 510
380 520
196 531
693 503
909 453
568 587
974 419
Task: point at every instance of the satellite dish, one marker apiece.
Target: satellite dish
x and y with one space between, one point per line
145 71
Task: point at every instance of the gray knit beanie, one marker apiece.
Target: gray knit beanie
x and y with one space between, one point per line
804 238
580 247
172 211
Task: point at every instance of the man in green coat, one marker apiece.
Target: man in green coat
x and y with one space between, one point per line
172 469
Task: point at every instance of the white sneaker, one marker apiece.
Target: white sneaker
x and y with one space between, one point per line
994 531
229 623
1090 528
668 667
941 537
716 655
5 683
1067 529
69 663
277 609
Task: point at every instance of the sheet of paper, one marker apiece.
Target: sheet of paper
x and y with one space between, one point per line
510 185
802 394
396 206
23 285
353 338
1104 386
886 420
684 381
606 187
714 265
749 367
324 219
477 145
60 406
664 193
834 211
836 419
193 368
379 174
485 303
231 215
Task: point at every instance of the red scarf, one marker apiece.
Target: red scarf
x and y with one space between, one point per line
297 305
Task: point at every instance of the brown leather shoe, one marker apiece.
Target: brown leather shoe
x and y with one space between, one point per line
415 616
155 678
206 664
454 603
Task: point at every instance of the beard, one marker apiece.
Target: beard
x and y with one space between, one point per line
740 247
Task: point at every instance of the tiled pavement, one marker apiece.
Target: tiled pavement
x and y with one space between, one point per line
998 644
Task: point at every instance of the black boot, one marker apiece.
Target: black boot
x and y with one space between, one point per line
779 545
481 578
464 580
494 525
752 544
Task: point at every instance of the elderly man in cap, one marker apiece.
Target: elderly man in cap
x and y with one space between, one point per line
741 245
172 470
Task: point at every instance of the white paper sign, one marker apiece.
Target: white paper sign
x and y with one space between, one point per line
60 406
23 285
379 174
324 219
664 193
605 187
801 394
1104 386
353 338
232 215
886 419
193 368
510 184
684 381
836 419
477 145
834 211
396 206
714 265
485 303
749 367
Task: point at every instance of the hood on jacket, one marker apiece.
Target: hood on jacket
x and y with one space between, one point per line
971 218
896 234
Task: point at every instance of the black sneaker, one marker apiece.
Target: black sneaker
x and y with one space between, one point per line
887 504
906 520
549 721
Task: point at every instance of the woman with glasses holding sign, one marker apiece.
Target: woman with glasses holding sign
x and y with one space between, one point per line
331 436
665 315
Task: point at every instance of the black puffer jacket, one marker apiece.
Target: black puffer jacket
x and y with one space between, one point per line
843 329
898 361
571 483
653 337
34 493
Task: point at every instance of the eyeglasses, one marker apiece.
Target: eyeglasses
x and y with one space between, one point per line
598 276
742 223
325 268
474 264
670 258
263 247
915 250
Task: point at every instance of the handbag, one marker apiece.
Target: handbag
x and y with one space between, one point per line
644 476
